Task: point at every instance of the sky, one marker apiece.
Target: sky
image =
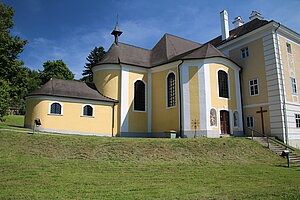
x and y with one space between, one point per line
71 29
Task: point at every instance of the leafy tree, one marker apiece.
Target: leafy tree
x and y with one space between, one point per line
4 98
34 80
55 69
11 71
93 58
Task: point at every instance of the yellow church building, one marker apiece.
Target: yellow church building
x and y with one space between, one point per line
223 87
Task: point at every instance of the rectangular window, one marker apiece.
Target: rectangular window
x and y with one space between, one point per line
288 48
245 52
253 87
297 118
294 85
250 121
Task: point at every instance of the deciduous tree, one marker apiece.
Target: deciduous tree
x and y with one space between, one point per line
55 69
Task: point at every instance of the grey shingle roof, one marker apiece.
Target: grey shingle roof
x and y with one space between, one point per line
239 31
168 47
205 51
73 89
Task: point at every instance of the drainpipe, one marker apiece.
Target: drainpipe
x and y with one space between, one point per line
179 99
113 120
281 77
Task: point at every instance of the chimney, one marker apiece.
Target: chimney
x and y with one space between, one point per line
256 15
238 21
224 24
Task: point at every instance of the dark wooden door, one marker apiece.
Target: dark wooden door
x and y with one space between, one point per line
224 119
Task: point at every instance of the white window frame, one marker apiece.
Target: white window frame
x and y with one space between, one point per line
61 111
139 79
228 83
245 52
297 118
288 48
82 114
250 86
294 85
167 90
249 117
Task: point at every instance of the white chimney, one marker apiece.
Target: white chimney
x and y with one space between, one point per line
256 15
238 21
224 24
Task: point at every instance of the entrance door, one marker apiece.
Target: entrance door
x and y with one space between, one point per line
224 119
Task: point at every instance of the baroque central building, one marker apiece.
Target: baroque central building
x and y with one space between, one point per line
245 79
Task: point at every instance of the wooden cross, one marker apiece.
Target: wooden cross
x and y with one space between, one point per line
261 111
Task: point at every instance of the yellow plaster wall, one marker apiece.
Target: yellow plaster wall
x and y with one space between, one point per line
223 103
163 118
257 120
252 67
194 95
137 120
290 63
71 119
107 82
216 101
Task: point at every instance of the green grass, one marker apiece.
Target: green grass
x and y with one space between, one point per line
13 122
87 167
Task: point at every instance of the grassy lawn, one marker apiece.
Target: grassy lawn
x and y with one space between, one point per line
13 122
87 167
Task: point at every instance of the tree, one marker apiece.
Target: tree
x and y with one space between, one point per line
11 71
4 98
55 69
93 58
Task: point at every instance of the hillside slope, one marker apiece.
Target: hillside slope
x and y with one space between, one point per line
86 167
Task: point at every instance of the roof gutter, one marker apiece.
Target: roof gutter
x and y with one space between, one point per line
282 85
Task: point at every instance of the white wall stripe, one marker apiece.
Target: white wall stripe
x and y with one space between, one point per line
185 97
202 97
124 99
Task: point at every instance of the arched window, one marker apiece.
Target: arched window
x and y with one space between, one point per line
87 110
213 117
55 108
236 119
139 96
223 84
171 92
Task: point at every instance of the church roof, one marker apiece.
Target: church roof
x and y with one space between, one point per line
239 31
72 89
205 51
170 46
167 48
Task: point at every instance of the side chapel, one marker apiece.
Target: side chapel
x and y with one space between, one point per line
198 90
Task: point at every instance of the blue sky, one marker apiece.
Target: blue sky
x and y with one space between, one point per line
69 29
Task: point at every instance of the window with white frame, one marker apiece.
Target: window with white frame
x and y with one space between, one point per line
236 119
88 110
288 48
294 85
297 118
245 52
139 96
223 84
171 92
55 108
250 121
253 87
